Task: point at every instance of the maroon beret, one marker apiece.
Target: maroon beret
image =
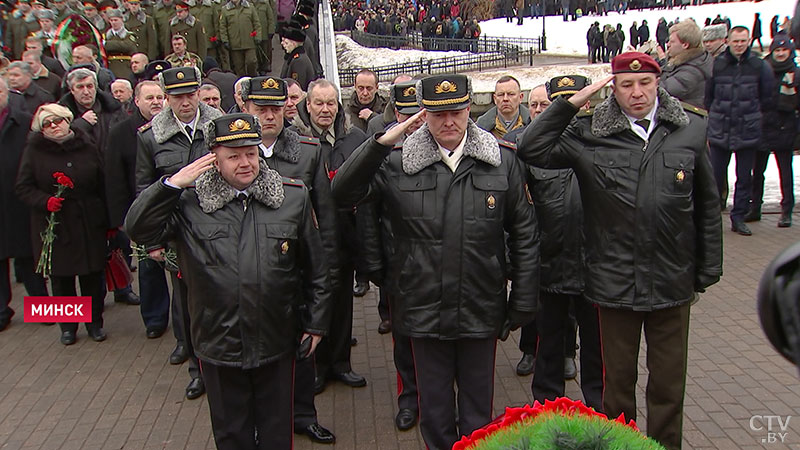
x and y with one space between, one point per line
634 62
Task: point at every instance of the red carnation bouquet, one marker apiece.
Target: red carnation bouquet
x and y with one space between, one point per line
45 264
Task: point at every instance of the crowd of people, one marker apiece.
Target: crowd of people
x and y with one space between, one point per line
270 204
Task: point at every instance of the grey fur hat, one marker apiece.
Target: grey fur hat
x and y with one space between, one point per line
712 32
45 14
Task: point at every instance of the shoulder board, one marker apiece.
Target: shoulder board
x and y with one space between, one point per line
297 182
509 145
691 108
308 140
145 127
585 113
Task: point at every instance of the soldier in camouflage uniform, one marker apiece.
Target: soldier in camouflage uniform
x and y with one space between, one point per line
120 45
240 31
180 57
187 25
143 27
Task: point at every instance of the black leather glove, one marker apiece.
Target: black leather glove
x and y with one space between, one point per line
515 320
227 46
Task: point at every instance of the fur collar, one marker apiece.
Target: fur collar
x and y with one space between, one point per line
190 20
302 122
213 192
420 150
608 118
165 125
686 56
287 147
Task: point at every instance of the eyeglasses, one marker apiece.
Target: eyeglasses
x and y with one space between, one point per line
46 123
536 105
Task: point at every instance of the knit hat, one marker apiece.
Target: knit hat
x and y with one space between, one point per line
781 40
47 111
713 32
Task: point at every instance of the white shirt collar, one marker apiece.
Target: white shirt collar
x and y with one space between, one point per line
453 158
192 124
266 152
651 116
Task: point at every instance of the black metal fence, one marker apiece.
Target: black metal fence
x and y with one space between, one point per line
458 64
483 44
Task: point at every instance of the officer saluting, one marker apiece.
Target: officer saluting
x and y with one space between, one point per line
246 241
450 193
299 157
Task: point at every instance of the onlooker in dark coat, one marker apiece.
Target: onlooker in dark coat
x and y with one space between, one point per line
662 33
643 33
42 76
688 65
780 129
80 247
20 78
737 93
757 32
94 110
634 35
15 220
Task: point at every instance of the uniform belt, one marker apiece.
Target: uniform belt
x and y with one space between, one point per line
119 58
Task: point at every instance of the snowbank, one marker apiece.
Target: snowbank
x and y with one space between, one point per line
569 38
353 56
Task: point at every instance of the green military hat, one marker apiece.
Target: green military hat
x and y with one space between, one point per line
233 130
449 92
404 97
265 91
180 80
566 85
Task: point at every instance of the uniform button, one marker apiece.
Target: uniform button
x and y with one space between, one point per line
611 163
69 164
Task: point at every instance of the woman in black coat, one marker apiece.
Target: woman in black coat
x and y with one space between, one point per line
780 126
80 245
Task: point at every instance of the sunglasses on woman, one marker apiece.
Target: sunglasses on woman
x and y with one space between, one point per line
54 121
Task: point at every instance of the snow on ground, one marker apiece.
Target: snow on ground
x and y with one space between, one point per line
569 38
352 55
530 77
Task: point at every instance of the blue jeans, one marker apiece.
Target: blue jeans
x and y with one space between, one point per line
745 159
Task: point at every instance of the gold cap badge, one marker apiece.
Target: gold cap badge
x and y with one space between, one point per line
491 203
180 75
159 67
635 65
269 83
566 82
409 91
285 247
239 125
445 86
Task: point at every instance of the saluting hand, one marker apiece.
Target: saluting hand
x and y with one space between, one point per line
394 134
186 176
586 93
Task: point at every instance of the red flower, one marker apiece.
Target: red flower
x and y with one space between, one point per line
213 39
63 180
332 173
253 33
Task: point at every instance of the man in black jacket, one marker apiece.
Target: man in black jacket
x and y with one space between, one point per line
321 116
652 225
15 225
120 164
739 89
450 193
246 241
300 157
173 139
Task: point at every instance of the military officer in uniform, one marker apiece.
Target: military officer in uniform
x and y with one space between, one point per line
162 13
267 17
296 64
170 141
187 25
180 57
205 11
246 286
92 14
143 27
240 30
451 194
297 157
120 45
